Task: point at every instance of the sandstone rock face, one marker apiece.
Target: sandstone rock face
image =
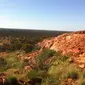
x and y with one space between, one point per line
72 43
68 43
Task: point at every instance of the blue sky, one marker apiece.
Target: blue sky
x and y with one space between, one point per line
43 14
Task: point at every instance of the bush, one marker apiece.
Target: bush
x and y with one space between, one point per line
25 62
64 58
2 62
36 74
36 77
61 70
16 46
13 61
27 47
51 81
43 56
36 47
61 58
73 75
12 81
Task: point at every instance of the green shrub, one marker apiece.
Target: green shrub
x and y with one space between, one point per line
36 47
12 81
73 75
61 58
61 69
2 62
16 46
64 58
13 61
43 56
51 81
27 47
36 74
25 62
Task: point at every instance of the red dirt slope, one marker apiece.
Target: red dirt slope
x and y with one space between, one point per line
68 44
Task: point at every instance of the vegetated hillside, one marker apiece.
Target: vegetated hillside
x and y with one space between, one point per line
11 43
15 39
43 60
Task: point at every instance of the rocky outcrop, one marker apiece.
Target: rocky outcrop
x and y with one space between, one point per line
68 44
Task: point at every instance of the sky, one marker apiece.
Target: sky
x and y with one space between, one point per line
43 14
